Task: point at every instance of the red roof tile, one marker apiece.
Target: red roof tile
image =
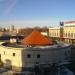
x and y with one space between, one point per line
69 22
36 38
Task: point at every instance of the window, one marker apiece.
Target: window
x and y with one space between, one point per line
13 54
66 34
38 56
28 56
4 52
71 34
57 33
65 53
37 62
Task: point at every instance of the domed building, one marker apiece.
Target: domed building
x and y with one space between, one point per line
34 50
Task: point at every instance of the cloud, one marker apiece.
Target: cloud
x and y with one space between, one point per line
10 4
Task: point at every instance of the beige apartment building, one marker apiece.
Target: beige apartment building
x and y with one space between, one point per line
68 32
54 32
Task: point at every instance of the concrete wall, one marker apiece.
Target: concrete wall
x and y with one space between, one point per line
47 56
7 54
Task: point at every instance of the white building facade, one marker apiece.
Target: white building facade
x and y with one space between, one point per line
29 57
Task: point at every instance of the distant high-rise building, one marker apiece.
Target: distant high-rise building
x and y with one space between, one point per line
11 28
0 28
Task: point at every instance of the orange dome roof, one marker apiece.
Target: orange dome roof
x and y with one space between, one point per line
36 38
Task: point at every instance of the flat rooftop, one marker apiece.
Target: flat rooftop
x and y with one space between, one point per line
19 45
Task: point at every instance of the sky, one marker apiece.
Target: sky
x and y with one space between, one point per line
29 13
